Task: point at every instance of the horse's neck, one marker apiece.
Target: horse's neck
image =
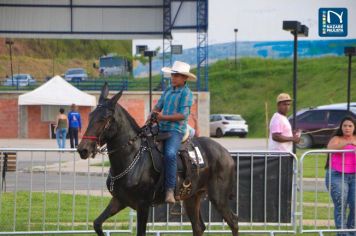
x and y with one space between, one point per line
121 148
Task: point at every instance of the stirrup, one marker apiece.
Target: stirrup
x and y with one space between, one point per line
177 209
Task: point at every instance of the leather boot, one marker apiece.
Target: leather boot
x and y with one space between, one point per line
170 196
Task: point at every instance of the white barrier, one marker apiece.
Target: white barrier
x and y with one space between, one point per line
52 191
314 197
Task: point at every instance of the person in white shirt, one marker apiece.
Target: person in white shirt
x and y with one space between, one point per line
281 137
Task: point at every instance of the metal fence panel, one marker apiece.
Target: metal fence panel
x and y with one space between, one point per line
52 191
315 203
161 221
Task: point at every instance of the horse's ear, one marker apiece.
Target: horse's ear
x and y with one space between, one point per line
104 93
115 98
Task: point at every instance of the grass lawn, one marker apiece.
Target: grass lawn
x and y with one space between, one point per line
32 219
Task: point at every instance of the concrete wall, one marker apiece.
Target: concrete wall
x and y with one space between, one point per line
25 121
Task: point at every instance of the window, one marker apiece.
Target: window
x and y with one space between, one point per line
49 112
235 118
335 117
313 117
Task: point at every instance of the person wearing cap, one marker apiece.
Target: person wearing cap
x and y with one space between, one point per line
281 137
173 109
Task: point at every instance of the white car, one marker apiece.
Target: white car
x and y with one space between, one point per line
227 124
76 75
20 80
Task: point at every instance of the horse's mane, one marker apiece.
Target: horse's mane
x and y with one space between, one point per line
132 121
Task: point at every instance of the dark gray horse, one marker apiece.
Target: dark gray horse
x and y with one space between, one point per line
132 180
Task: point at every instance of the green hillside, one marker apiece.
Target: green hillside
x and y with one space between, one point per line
44 57
245 90
66 48
257 82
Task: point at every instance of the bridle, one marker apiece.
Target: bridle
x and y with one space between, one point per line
101 148
98 139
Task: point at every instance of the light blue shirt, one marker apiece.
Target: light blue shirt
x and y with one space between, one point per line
173 101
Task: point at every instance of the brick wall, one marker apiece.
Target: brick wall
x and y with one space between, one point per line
40 129
8 118
136 103
136 108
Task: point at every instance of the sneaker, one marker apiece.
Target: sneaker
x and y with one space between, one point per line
170 196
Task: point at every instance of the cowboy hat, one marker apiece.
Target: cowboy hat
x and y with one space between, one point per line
283 97
180 67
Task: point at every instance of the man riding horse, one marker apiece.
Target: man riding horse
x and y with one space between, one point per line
173 109
133 179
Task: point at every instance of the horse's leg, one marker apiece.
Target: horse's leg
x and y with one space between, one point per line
142 216
192 207
114 207
219 196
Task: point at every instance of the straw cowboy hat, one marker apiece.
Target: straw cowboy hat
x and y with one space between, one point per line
283 97
180 67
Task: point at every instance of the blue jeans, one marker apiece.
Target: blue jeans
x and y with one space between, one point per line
346 184
171 146
73 137
61 137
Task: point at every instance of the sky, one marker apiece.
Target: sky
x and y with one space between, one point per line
260 20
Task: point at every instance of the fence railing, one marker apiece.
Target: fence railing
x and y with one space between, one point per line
127 84
53 191
318 201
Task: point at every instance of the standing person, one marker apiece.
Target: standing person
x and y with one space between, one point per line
75 126
281 137
173 109
195 126
341 175
61 128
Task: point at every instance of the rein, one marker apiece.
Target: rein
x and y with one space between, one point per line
127 170
319 130
145 131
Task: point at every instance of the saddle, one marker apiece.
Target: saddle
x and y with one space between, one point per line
189 159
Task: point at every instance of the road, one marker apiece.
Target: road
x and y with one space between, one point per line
68 161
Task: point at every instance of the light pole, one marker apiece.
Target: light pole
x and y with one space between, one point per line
236 30
10 43
349 51
150 54
296 28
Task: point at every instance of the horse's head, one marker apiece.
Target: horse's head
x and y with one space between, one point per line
101 125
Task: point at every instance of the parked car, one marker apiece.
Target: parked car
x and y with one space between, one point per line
227 124
318 124
75 74
20 80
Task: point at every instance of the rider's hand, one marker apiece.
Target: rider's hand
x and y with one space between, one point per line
296 138
149 118
159 116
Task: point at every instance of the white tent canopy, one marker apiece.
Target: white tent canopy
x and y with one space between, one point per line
57 91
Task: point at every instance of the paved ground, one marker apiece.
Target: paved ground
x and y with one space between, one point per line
228 142
39 169
54 162
69 160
